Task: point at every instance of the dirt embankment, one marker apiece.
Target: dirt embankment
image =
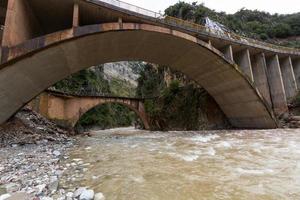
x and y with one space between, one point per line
29 127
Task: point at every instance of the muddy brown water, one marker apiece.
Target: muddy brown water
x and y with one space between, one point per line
139 165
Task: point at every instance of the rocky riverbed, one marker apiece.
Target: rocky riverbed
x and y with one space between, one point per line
31 151
33 172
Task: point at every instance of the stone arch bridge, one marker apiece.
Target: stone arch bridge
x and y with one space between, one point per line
66 110
43 42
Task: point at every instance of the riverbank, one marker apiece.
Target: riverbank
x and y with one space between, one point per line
31 151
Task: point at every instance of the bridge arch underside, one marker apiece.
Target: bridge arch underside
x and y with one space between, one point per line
80 106
24 77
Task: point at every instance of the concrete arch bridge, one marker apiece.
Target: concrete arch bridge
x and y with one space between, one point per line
43 42
66 110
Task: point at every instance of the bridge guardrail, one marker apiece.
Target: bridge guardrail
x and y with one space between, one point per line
133 8
230 35
191 25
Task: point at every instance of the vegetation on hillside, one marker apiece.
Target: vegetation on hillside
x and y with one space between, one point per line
92 82
107 116
250 23
181 104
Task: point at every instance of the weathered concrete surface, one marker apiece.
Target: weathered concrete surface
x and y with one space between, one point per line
76 15
288 77
276 85
296 67
66 110
20 23
82 47
259 68
242 58
228 53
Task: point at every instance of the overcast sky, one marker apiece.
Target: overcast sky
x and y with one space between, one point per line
229 6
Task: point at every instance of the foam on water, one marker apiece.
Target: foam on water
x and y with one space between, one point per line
189 158
211 151
254 171
224 144
204 138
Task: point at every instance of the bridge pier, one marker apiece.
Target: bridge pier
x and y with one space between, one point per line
20 24
288 77
227 51
276 85
296 68
242 58
76 15
259 67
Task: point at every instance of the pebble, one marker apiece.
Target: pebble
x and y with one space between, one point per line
4 196
78 192
56 153
32 169
20 196
87 195
99 196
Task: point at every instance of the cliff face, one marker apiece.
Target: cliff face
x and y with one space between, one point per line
121 70
181 104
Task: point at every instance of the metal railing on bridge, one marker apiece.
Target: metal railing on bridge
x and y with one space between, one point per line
133 8
173 21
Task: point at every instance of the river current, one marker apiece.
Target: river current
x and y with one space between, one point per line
140 165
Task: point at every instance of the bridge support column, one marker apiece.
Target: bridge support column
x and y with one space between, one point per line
276 85
20 23
242 58
228 53
259 67
288 77
76 15
296 68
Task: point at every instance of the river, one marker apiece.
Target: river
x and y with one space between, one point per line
140 165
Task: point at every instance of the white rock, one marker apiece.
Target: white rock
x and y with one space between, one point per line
12 187
4 196
53 185
46 198
87 195
69 194
56 153
41 188
20 196
78 192
99 196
